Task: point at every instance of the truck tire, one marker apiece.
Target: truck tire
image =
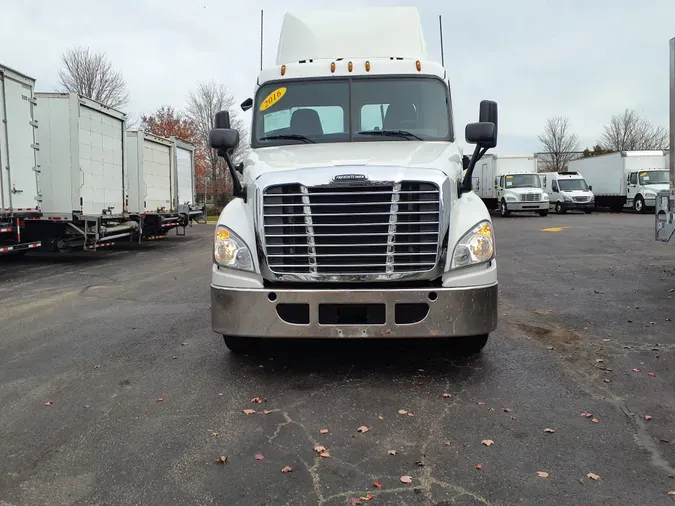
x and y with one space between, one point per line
503 210
543 213
469 345
559 209
639 204
242 345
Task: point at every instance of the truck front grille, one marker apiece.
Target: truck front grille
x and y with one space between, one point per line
581 199
352 230
529 197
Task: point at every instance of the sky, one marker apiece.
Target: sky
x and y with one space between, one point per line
536 58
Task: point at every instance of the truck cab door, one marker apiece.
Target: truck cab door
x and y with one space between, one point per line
631 186
555 191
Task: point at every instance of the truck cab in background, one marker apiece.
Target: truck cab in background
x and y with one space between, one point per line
567 191
352 219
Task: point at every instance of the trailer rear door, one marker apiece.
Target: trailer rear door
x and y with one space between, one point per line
157 175
185 175
18 160
101 162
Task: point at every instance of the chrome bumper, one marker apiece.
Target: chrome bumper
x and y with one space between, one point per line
451 312
527 206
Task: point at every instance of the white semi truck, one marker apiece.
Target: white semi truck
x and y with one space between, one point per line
19 172
352 219
510 183
628 179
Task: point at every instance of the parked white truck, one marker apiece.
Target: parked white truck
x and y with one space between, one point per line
352 219
567 191
19 172
510 183
624 179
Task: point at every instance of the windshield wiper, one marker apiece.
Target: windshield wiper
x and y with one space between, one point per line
393 133
297 137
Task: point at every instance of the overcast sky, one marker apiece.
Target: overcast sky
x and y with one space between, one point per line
536 58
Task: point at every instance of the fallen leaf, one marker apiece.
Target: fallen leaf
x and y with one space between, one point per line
249 411
488 442
184 343
377 484
287 469
319 449
48 403
259 456
446 396
652 374
214 434
323 431
392 452
672 492
159 399
380 417
367 497
607 380
479 466
550 431
627 347
593 477
507 410
606 340
410 414
257 400
266 412
585 328
325 455
406 479
363 429
446 443
480 403
599 360
222 460
542 474
595 420
635 369
354 501
586 414
402 412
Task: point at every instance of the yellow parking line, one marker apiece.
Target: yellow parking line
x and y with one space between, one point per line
553 229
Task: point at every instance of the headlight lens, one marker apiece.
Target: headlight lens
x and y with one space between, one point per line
567 197
476 247
650 195
229 250
544 196
510 198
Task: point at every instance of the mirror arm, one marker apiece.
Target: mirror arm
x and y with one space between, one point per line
238 190
465 186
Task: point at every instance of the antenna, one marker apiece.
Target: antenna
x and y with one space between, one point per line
440 27
261 39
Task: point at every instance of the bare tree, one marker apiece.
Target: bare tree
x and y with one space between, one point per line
92 75
629 131
203 104
559 144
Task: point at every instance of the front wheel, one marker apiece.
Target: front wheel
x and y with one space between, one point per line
469 345
559 208
242 345
639 204
543 213
503 210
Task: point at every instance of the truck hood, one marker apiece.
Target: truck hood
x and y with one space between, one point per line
434 155
578 193
521 191
657 187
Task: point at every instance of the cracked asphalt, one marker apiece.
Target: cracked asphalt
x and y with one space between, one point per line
145 397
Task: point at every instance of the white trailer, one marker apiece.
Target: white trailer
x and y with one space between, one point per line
625 178
184 162
19 171
510 183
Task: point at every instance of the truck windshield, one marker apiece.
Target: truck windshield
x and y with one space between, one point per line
351 110
654 177
572 184
522 181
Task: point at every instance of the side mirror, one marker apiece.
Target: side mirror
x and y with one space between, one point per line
590 188
483 134
247 104
223 138
488 114
465 162
222 120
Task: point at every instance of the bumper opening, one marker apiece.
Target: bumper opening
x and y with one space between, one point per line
296 314
352 314
406 314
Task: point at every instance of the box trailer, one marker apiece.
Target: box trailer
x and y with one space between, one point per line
19 172
624 178
186 187
510 183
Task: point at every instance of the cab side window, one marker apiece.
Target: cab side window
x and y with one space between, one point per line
633 178
554 186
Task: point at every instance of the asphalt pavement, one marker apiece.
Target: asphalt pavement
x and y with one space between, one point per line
114 389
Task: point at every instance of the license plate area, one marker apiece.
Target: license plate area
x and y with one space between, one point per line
352 314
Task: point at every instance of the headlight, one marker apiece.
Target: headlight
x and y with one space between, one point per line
650 195
230 251
544 196
567 197
476 247
511 198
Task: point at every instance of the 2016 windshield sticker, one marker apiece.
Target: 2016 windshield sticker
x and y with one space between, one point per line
509 177
272 98
643 174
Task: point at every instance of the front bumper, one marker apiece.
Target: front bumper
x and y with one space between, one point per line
451 312
570 206
527 206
